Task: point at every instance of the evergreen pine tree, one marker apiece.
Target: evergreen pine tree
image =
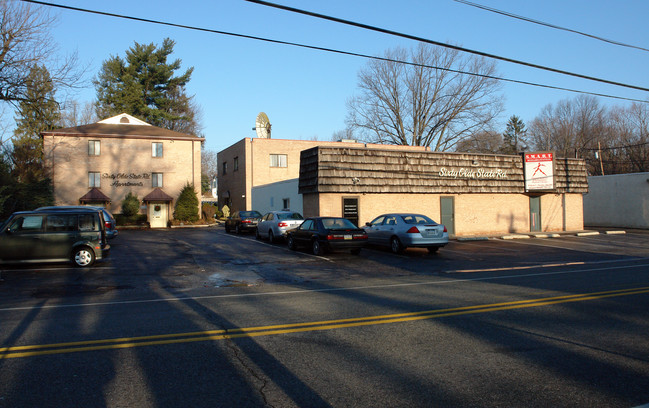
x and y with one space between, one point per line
37 113
515 136
187 205
143 85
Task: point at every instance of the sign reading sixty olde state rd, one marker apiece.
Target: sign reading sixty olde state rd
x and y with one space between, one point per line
130 179
539 171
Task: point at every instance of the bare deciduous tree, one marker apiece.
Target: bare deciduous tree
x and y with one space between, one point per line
414 104
73 114
630 151
25 42
570 127
481 142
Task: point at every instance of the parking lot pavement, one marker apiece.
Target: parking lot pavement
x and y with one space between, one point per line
180 260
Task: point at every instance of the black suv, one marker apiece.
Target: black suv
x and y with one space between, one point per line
77 235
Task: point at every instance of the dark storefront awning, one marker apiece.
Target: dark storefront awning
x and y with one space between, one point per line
157 195
94 196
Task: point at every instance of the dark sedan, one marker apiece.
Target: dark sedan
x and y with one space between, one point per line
241 221
323 234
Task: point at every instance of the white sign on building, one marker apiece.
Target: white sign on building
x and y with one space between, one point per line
539 171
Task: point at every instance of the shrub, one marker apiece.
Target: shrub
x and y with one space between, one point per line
130 205
209 210
187 205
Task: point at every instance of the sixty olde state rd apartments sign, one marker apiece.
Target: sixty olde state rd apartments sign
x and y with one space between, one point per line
539 171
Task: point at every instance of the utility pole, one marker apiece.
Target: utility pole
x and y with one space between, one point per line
599 151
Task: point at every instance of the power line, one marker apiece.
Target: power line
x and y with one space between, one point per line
530 20
616 147
317 48
441 44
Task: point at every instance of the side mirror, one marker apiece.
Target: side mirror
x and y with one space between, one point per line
369 224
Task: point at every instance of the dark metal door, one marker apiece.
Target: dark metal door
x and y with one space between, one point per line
350 209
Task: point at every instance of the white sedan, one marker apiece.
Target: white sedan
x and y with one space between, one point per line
276 224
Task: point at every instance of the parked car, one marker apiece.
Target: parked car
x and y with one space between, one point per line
77 235
323 234
109 220
276 224
241 221
400 231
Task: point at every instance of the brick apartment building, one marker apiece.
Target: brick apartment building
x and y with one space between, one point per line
100 163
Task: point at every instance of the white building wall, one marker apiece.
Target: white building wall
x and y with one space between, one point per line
270 197
620 200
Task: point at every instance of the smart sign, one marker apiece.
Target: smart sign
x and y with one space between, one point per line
539 171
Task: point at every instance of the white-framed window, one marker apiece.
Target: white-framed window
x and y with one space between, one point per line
156 149
278 160
94 179
156 179
94 147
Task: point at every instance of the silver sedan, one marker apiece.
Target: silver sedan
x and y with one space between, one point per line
276 224
400 231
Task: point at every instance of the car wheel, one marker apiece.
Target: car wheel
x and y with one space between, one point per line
356 251
432 250
227 229
83 257
257 236
395 245
317 248
271 236
237 229
291 243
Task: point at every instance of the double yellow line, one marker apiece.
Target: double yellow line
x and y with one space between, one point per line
212 335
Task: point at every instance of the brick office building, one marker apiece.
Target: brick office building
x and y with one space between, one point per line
100 163
470 194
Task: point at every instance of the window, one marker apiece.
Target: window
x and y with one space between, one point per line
156 179
225 168
278 160
307 225
61 223
94 179
88 222
94 148
235 164
31 223
156 149
286 203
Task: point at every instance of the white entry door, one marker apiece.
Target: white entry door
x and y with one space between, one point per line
158 215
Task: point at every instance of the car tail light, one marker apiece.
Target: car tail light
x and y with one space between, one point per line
333 237
413 230
107 224
445 230
246 221
282 224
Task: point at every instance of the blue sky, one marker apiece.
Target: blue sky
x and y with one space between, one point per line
304 92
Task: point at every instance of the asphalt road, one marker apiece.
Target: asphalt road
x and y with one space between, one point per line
198 317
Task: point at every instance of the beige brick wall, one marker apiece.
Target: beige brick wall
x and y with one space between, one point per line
69 163
475 214
254 165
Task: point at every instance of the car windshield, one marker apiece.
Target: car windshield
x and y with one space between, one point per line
289 216
250 214
337 223
417 219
